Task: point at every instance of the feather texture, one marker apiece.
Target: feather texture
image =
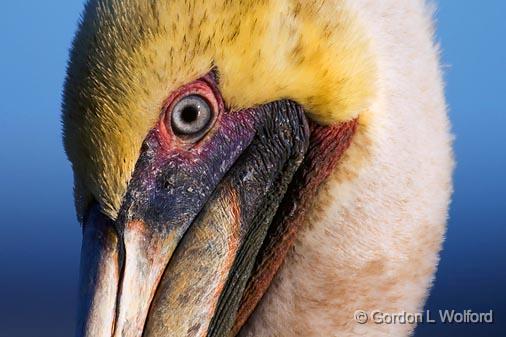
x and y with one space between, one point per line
129 55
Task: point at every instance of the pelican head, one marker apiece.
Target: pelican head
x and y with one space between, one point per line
256 167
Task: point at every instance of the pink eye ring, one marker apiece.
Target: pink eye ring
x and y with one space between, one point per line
191 112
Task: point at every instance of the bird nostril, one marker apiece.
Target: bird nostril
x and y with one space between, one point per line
171 179
168 183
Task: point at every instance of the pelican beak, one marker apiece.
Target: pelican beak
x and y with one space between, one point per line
176 260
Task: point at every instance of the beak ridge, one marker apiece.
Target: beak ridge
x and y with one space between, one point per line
99 276
146 255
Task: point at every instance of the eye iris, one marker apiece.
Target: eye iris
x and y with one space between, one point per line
191 115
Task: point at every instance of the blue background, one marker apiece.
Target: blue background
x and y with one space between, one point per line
40 238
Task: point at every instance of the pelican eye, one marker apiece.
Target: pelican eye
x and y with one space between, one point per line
191 116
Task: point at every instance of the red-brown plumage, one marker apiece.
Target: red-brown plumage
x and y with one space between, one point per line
327 145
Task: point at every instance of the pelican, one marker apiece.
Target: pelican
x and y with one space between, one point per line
256 168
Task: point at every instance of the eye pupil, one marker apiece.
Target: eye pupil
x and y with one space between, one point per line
189 114
191 117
